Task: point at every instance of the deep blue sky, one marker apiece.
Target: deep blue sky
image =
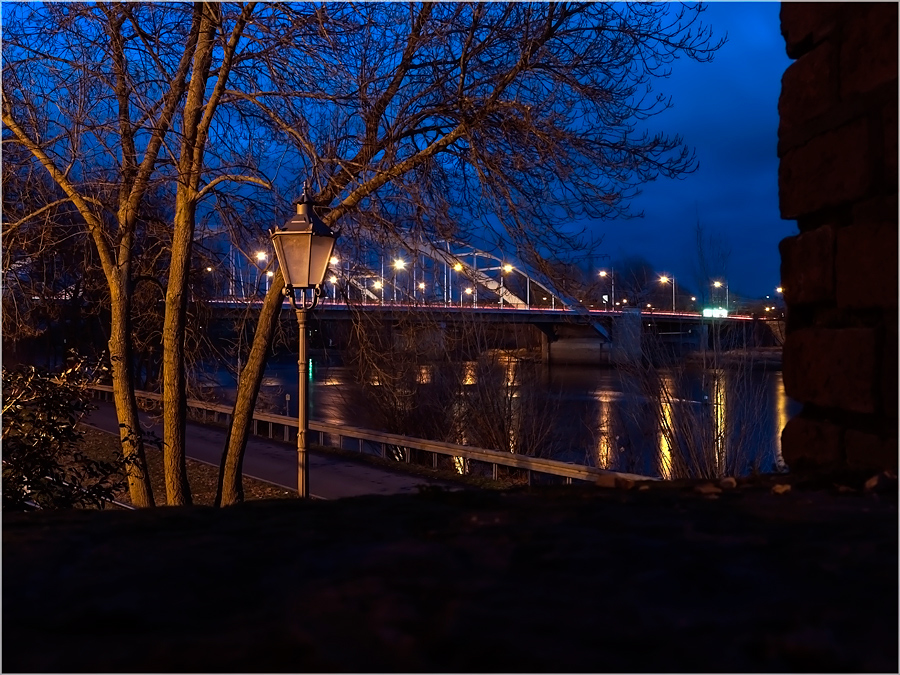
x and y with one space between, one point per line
728 111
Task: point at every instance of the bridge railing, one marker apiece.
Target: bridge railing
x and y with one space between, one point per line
337 433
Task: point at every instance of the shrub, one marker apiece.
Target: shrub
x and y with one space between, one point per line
43 466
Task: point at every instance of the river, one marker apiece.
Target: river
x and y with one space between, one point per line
730 423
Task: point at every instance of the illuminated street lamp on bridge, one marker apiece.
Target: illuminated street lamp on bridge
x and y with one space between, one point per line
665 280
719 284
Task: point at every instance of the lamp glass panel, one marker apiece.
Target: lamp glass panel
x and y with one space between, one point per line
293 255
320 256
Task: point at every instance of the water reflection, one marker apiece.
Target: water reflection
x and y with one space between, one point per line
667 432
597 418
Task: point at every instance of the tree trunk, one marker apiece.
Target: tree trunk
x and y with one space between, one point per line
178 491
126 403
230 489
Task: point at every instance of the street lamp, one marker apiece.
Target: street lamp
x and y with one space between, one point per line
612 279
260 259
505 269
303 248
719 284
399 264
665 280
333 279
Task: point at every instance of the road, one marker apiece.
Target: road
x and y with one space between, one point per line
330 477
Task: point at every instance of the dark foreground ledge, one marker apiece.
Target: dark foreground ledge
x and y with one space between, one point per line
554 580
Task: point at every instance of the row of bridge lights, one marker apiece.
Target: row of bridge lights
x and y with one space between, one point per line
667 279
400 264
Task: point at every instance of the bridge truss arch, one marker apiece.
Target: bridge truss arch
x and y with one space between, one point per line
445 273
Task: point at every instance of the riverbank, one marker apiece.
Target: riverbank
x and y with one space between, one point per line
689 576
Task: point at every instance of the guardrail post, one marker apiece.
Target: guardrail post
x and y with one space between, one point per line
286 427
494 471
434 460
271 424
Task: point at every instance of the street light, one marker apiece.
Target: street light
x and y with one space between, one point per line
665 280
333 280
303 248
719 284
505 269
399 264
612 279
260 258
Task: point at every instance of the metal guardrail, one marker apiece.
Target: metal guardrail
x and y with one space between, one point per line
496 458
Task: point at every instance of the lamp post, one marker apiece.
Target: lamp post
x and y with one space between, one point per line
261 259
399 265
665 280
612 293
504 270
718 284
303 248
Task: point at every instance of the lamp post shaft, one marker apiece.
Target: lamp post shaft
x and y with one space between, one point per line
302 411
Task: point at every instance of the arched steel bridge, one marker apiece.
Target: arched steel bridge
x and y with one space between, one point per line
447 272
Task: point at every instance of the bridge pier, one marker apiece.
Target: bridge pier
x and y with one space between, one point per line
626 337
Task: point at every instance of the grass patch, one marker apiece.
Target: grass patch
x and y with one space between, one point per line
203 478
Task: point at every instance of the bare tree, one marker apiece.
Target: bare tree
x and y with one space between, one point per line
507 122
141 85
100 145
510 120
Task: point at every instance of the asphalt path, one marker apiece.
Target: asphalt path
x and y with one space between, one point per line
330 477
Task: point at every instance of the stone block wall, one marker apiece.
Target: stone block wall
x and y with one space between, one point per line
837 142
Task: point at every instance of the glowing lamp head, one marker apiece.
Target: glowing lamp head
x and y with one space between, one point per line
602 273
457 267
468 291
303 247
507 268
399 264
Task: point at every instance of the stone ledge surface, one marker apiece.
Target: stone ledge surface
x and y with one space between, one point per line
683 577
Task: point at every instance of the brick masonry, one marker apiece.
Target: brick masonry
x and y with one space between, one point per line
838 180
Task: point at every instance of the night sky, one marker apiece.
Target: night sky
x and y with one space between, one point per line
728 111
